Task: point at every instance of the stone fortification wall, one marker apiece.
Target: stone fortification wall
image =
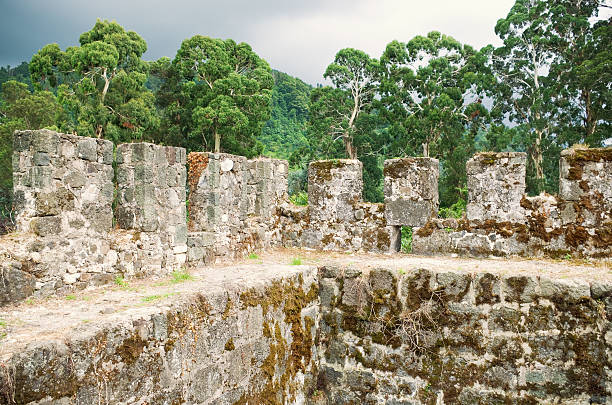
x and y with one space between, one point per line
228 339
151 203
434 337
233 204
63 193
408 331
336 218
64 188
501 220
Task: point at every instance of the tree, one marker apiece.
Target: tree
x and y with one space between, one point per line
335 111
101 83
523 63
582 72
285 131
227 89
431 90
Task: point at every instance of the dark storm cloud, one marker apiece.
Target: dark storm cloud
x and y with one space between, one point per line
298 37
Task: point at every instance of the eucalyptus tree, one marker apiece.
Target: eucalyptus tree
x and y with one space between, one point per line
581 71
336 111
101 83
522 64
431 90
226 88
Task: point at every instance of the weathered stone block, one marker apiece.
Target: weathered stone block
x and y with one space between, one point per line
496 186
334 187
46 226
411 190
15 284
87 149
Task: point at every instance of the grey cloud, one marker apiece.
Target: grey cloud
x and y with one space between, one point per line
298 37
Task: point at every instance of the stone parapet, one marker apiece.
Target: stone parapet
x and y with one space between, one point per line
411 190
496 185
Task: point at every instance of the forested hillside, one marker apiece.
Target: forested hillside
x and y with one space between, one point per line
546 88
285 131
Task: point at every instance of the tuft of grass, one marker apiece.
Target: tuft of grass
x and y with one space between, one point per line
120 281
179 276
70 297
253 256
406 239
155 297
296 261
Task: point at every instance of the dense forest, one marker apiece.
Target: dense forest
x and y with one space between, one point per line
546 88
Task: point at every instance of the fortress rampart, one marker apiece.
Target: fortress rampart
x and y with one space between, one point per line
368 328
87 214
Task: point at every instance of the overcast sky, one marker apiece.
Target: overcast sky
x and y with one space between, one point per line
296 37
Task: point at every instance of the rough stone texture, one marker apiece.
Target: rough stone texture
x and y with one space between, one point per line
151 186
233 204
585 181
63 193
336 218
227 339
411 190
424 337
63 184
334 187
577 223
496 185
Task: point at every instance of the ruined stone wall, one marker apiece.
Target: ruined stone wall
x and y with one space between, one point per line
63 193
433 337
64 188
501 220
411 190
229 340
233 204
151 203
336 218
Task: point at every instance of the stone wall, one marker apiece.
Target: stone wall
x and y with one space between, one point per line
411 190
401 333
502 221
229 340
151 202
434 337
63 192
336 218
65 186
64 189
233 204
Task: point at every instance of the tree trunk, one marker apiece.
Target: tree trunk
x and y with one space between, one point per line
348 147
217 142
537 162
425 149
590 119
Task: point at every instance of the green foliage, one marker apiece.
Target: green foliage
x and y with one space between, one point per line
253 256
296 261
19 73
120 281
179 276
100 84
406 239
431 90
301 198
457 209
285 132
215 96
